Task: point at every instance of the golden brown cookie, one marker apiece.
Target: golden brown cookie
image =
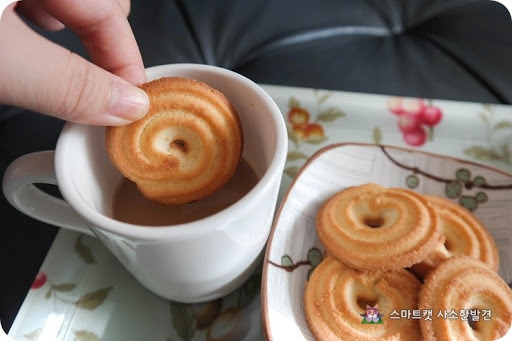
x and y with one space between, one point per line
336 298
462 234
465 284
186 147
370 227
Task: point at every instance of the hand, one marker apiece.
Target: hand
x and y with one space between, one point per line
42 76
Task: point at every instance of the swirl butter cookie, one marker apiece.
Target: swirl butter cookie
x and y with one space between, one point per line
464 284
342 303
187 146
462 234
370 227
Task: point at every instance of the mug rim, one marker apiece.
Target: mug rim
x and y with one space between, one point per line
185 230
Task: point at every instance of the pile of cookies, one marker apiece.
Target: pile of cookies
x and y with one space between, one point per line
407 261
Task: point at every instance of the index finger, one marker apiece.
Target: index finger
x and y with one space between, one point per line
103 28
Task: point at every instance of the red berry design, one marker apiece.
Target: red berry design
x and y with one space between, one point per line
395 105
39 281
413 106
314 132
408 123
431 116
298 116
416 137
414 115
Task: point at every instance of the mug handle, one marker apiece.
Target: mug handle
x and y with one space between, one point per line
19 190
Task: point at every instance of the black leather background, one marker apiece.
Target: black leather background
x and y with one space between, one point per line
446 49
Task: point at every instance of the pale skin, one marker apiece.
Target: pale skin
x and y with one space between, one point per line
40 75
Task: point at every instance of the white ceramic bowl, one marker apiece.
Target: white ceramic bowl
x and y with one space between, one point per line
294 248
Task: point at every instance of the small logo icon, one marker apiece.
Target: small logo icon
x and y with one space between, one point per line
371 315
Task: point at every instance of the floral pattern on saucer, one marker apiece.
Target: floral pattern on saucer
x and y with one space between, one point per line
97 291
498 142
416 119
307 125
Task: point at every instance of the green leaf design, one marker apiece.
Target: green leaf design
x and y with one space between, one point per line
292 171
507 155
431 133
286 261
366 322
48 294
479 181
314 256
330 115
484 118
83 251
377 135
453 189
248 291
64 287
182 320
293 102
310 272
93 300
503 125
412 181
292 136
33 335
292 156
487 107
468 202
481 197
85 335
316 141
482 153
463 175
324 97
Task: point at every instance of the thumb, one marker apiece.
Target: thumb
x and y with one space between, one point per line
42 76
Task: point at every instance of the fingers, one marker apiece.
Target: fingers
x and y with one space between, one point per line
40 75
105 32
125 5
35 12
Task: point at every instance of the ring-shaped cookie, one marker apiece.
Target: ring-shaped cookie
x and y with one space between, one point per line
336 296
462 234
370 227
465 284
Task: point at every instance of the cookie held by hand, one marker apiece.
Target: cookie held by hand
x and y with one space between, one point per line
187 146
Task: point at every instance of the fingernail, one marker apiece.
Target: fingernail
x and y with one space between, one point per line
113 121
128 102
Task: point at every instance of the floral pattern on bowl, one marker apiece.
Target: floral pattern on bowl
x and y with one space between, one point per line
294 249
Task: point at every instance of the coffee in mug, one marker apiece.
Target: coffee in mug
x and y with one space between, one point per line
130 206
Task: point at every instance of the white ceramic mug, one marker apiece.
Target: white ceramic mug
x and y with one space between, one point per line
191 262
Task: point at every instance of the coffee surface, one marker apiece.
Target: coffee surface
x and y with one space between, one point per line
130 206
